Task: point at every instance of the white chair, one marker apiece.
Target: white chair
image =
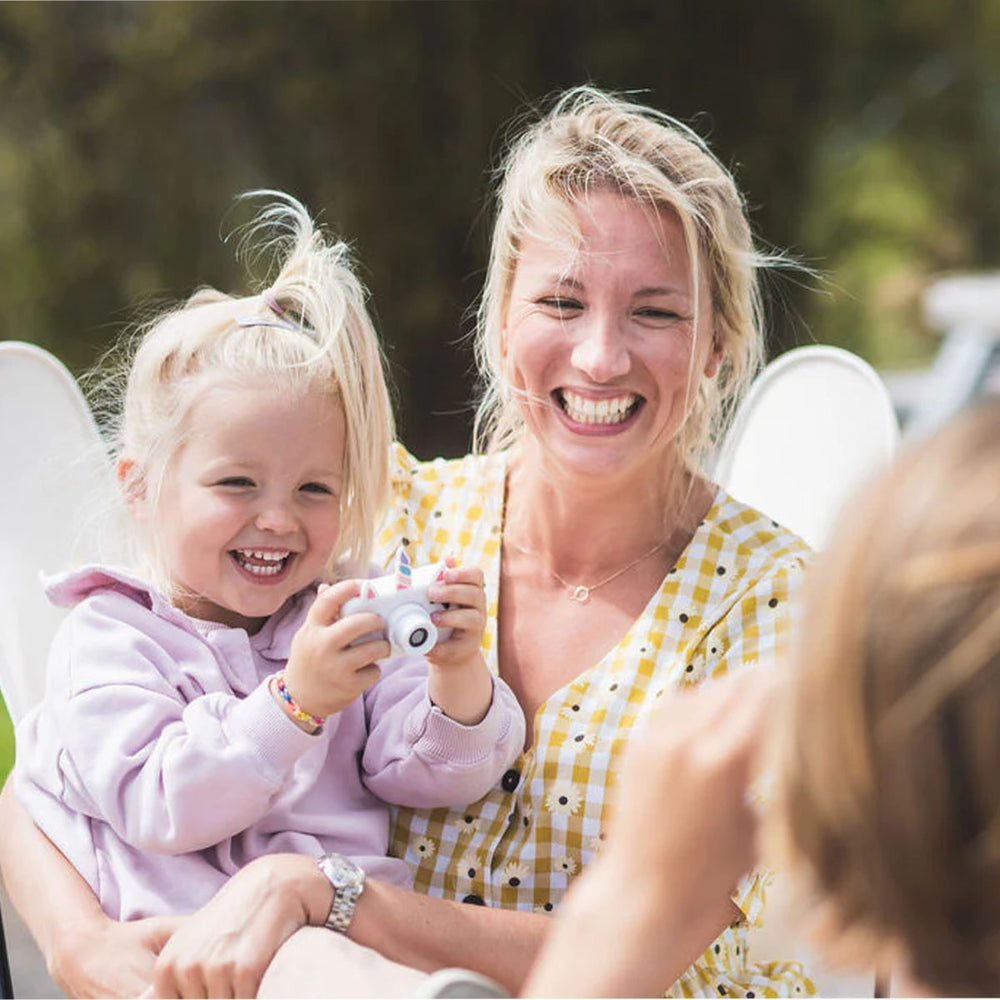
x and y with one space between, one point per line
816 422
57 481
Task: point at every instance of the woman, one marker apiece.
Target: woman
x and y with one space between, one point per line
620 322
890 810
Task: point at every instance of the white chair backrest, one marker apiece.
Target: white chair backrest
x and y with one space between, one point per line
57 478
816 422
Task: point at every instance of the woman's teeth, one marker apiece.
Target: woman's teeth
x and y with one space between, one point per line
583 410
261 563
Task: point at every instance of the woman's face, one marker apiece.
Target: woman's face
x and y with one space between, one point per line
603 341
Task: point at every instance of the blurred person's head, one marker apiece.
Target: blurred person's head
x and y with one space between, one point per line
592 145
889 752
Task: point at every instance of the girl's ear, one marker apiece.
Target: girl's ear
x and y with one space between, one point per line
132 484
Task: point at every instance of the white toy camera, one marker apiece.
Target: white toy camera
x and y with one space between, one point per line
404 608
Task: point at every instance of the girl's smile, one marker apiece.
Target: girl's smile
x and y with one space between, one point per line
249 511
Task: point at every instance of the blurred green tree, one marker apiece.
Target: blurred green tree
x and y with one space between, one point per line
866 138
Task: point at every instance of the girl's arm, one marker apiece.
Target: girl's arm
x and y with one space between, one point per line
443 731
126 734
86 953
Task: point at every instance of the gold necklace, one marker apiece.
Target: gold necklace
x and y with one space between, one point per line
578 592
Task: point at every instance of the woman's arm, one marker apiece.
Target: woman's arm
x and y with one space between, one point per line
224 949
87 954
621 934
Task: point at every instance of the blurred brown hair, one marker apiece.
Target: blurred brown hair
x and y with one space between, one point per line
889 773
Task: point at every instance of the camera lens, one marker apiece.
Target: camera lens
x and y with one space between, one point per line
411 629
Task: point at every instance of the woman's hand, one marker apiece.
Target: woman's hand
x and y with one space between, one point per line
325 673
458 680
105 958
224 948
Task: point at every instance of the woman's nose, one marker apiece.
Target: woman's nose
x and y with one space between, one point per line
601 351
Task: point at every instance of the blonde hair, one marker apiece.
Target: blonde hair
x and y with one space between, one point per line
593 140
889 751
307 331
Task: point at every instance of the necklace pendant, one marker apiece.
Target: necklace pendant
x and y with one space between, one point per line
580 594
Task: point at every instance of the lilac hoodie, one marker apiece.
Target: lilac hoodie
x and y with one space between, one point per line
159 763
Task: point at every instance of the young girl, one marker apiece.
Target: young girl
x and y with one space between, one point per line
217 705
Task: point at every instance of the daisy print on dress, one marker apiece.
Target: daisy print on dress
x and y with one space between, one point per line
563 798
468 864
425 848
565 864
469 824
515 874
580 738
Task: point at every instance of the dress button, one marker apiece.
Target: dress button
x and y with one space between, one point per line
474 899
509 781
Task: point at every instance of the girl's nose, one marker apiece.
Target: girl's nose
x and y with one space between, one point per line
601 351
275 517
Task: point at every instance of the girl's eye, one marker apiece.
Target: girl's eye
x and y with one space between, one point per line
321 488
236 482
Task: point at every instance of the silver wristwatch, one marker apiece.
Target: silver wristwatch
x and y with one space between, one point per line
348 881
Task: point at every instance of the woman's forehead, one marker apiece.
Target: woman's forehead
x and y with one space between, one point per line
616 236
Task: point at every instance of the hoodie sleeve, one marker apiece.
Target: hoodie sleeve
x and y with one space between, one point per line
417 756
126 733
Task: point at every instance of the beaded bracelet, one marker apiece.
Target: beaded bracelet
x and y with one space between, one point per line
298 712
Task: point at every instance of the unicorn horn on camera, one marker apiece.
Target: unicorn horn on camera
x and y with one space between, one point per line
404 573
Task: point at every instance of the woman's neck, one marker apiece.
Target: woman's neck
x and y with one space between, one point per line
583 527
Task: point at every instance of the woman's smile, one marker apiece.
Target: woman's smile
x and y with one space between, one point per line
606 337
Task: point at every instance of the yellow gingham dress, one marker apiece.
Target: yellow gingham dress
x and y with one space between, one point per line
726 602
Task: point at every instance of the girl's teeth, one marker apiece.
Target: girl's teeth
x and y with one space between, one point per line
266 564
591 411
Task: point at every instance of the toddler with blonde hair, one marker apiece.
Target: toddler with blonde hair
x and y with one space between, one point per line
214 703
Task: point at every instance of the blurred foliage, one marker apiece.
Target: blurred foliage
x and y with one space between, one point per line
6 744
867 138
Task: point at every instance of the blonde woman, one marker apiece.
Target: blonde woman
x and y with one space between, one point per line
619 325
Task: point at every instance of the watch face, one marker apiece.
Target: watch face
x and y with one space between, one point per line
340 871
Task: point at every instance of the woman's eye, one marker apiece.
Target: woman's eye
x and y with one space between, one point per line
658 315
561 305
321 488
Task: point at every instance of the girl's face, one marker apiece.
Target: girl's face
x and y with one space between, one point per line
603 340
249 508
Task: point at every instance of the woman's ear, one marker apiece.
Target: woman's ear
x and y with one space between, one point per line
714 358
132 484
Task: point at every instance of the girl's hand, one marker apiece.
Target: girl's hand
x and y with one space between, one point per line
462 588
459 682
325 673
